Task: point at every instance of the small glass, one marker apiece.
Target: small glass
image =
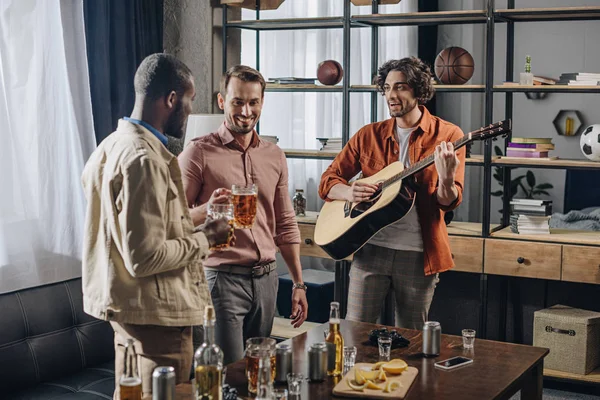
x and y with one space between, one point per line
349 358
385 347
221 210
295 383
245 203
468 336
280 394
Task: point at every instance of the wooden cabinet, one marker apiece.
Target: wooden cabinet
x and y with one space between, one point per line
467 253
522 259
581 264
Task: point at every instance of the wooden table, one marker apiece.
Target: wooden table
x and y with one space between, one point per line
499 369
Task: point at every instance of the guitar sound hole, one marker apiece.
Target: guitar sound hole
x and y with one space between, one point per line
363 206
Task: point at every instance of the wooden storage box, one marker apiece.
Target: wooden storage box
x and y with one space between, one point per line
572 335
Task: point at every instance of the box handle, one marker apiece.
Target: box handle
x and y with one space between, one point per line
569 332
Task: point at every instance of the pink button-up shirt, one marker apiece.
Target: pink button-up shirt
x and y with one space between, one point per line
217 160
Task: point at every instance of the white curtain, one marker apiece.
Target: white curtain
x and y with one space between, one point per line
46 135
299 118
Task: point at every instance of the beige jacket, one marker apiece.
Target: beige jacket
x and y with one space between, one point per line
141 258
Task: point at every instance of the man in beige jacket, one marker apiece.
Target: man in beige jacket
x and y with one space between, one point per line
142 261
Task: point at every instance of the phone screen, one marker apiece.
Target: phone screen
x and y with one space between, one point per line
452 362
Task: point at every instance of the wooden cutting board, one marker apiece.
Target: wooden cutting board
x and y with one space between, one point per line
406 379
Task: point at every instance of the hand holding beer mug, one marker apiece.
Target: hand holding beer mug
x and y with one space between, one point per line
221 211
255 349
245 202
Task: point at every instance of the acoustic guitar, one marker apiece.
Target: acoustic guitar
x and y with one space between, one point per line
343 227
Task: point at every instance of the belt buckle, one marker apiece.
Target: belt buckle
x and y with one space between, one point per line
254 273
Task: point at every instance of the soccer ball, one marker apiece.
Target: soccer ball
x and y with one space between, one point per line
590 142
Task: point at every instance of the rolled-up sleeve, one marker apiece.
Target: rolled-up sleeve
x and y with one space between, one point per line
286 226
459 178
345 166
142 226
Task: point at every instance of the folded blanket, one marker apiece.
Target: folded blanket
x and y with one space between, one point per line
576 219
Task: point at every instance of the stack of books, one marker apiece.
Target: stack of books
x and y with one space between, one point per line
292 80
331 144
530 147
580 79
530 216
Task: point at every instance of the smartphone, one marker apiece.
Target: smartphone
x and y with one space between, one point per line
453 362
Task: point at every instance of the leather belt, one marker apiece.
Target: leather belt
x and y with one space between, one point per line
254 272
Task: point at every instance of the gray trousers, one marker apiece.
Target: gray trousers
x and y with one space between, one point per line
245 308
376 270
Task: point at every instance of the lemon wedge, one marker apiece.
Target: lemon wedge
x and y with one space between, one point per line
391 386
357 387
358 376
395 367
382 377
369 375
371 385
379 364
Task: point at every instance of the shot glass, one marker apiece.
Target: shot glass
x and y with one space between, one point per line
280 394
385 347
349 358
468 336
294 383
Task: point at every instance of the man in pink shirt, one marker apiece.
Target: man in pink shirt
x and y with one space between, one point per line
242 279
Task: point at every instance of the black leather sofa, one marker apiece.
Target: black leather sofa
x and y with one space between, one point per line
51 349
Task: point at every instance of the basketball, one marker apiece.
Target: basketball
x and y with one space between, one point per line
329 72
454 66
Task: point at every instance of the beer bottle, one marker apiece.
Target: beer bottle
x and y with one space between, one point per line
130 383
208 362
335 342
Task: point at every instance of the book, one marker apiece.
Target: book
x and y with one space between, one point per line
544 80
533 146
526 153
532 140
534 202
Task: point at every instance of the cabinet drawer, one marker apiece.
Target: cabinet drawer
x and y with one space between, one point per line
467 253
308 247
581 264
527 260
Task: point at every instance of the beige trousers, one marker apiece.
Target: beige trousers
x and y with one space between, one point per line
155 346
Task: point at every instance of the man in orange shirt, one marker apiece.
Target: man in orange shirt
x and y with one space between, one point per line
407 255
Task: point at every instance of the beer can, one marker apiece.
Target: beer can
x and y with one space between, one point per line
317 362
163 383
283 361
432 338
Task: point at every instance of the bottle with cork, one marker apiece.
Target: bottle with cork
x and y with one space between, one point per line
299 202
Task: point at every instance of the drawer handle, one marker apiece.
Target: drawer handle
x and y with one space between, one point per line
308 241
520 260
569 332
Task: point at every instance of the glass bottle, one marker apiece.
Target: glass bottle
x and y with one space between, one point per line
335 342
130 383
299 203
208 362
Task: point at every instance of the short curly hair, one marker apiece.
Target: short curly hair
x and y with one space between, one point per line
418 76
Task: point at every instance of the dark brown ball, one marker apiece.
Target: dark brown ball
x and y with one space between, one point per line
454 66
329 72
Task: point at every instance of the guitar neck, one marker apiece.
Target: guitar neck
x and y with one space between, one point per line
424 163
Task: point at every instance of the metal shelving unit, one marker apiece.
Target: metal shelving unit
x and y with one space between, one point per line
490 16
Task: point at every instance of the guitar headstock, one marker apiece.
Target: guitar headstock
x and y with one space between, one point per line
492 131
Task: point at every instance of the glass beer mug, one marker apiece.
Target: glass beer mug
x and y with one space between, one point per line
245 202
256 348
221 210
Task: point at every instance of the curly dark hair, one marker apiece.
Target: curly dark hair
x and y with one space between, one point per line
418 76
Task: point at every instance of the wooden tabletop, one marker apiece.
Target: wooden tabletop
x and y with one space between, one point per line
499 369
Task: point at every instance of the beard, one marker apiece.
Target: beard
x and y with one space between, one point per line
175 125
240 129
403 110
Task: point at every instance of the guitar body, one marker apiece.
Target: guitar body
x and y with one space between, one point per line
343 227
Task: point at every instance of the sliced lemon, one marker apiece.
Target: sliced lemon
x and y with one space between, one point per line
358 376
382 377
372 385
369 375
396 366
391 386
357 387
379 364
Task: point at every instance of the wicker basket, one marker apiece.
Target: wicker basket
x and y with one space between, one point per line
572 335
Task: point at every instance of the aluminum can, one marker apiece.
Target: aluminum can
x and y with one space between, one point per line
283 361
432 338
317 362
163 383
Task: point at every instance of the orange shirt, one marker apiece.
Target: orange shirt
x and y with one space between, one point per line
374 147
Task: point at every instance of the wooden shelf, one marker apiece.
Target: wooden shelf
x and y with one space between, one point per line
438 88
592 377
464 228
288 23
273 87
548 14
555 236
310 154
310 218
546 89
545 163
421 18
